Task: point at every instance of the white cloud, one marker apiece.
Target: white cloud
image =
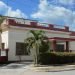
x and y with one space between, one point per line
7 11
54 14
66 1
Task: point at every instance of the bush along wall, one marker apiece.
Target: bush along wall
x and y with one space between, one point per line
56 58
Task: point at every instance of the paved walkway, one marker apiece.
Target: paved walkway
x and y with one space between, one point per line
50 73
31 70
53 68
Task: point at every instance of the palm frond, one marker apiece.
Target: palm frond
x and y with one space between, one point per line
30 41
37 33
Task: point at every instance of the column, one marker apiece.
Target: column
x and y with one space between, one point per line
54 45
67 46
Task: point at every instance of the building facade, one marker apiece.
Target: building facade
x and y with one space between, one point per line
15 30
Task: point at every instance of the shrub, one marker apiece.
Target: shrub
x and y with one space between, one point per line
56 58
44 47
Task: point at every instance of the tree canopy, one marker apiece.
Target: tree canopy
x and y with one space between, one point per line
39 41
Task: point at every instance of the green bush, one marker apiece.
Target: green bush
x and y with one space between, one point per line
44 47
56 58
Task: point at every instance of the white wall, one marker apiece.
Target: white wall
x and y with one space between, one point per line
19 34
49 33
57 34
72 45
4 38
16 36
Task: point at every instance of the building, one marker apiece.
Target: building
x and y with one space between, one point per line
15 30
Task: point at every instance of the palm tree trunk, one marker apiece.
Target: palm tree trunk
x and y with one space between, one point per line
19 58
37 53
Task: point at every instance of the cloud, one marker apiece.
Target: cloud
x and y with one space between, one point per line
54 14
7 11
70 2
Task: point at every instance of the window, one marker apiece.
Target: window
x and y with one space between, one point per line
21 49
60 47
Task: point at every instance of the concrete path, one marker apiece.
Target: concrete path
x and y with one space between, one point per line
11 71
49 73
25 70
29 72
52 68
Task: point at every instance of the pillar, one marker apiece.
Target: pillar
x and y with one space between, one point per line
54 45
67 46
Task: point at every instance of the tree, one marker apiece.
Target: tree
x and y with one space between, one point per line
1 20
35 42
44 47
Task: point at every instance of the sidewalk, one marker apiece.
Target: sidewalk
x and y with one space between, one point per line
29 69
52 68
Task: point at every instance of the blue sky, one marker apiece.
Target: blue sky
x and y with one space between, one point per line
59 12
25 6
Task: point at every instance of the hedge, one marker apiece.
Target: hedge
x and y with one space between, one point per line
56 58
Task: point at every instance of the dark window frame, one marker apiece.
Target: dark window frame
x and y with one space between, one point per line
21 48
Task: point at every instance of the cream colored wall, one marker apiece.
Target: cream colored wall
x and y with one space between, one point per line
49 33
72 37
16 36
4 38
57 34
72 46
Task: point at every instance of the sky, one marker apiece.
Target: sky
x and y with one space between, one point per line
58 12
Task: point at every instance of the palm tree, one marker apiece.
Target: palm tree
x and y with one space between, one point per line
35 42
1 20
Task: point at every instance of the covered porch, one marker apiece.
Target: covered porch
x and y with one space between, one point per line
59 44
